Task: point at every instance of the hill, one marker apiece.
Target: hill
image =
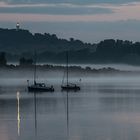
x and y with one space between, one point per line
50 48
21 41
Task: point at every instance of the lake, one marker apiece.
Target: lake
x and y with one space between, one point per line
106 108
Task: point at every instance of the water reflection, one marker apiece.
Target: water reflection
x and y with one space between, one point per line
67 93
18 112
35 105
101 111
119 97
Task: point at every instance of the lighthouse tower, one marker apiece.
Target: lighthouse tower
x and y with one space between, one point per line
17 26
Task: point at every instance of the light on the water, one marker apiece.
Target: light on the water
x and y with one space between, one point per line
18 113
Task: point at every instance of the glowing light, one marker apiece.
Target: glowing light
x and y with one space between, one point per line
17 26
18 112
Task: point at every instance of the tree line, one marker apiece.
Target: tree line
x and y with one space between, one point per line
20 45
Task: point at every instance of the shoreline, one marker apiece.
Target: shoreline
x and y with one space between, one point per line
72 69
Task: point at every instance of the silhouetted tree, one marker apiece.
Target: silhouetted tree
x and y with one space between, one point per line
3 61
25 62
52 49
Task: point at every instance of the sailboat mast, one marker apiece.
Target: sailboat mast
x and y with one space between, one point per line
67 67
35 68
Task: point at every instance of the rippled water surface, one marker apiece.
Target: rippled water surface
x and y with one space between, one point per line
106 108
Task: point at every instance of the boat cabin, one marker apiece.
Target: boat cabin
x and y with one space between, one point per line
40 84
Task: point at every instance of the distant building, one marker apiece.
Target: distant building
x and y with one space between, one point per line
17 26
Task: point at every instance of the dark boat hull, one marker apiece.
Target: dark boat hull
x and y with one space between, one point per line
68 88
40 89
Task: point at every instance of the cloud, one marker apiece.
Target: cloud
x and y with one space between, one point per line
70 1
65 12
122 12
58 9
89 20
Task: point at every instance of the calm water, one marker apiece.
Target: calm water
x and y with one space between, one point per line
106 108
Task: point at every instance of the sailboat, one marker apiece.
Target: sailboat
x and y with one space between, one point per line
39 87
69 86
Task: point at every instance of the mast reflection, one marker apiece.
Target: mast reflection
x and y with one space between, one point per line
67 114
35 116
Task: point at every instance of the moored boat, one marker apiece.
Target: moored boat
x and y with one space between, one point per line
40 87
69 86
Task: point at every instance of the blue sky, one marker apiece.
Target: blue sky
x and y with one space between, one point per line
88 20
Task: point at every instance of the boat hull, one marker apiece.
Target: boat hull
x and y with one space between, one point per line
40 89
68 88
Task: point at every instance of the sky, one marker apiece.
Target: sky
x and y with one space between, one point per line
87 20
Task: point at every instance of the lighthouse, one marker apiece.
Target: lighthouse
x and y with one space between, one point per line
17 26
